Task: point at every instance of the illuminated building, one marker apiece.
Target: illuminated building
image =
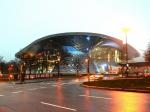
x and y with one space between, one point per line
71 49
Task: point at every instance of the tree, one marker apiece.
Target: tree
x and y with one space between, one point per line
2 65
76 64
12 67
1 58
147 53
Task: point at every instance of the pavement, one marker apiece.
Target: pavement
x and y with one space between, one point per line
83 85
68 96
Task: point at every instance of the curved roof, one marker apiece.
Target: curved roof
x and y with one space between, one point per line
78 33
35 45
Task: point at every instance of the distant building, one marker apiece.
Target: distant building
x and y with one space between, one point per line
71 49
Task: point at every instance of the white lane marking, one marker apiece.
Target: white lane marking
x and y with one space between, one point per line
32 89
43 87
48 83
69 83
1 95
58 106
63 83
96 97
56 85
17 92
10 86
53 85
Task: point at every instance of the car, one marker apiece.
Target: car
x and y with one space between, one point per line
96 77
1 75
147 74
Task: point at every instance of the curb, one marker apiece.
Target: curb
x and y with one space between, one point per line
116 89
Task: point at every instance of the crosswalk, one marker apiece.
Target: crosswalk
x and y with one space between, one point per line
21 88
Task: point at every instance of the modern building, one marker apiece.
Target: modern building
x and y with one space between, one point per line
70 51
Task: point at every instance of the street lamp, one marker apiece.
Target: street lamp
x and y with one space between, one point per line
88 57
58 65
126 30
22 71
87 60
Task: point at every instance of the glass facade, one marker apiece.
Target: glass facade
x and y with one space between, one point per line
105 58
70 50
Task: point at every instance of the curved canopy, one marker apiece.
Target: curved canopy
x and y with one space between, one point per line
73 43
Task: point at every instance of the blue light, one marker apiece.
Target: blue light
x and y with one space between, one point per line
72 50
88 38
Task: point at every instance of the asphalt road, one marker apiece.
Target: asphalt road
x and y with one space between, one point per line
68 96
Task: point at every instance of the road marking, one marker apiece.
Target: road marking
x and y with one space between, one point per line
56 85
97 97
64 83
10 86
1 95
32 89
69 83
17 92
73 83
43 87
48 83
58 106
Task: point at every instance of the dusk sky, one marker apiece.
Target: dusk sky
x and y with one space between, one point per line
24 21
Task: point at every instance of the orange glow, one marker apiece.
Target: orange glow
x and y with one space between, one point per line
129 102
86 60
126 30
11 76
59 93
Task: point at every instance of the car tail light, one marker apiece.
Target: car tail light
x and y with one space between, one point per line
10 76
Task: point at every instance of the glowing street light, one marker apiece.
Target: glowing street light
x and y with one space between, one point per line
88 57
126 30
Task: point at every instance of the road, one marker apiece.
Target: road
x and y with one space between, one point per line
68 96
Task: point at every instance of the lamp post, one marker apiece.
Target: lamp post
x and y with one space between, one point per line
88 67
22 71
126 30
88 56
58 64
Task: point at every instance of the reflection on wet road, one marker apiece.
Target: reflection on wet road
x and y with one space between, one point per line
67 96
130 102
